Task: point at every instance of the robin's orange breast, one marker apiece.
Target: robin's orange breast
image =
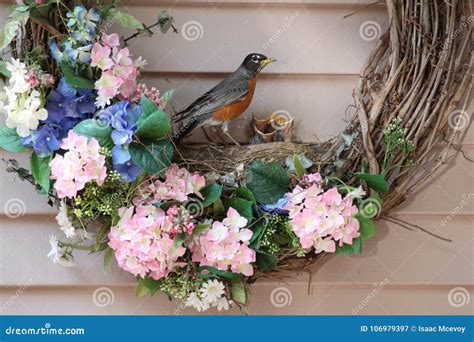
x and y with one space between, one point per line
233 110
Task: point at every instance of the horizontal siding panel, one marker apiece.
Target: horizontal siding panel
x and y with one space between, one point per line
323 300
303 39
403 257
450 189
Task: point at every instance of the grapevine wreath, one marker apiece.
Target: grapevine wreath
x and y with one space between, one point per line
202 224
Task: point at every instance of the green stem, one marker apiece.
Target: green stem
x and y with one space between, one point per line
76 246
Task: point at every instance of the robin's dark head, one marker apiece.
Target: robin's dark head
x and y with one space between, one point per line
255 62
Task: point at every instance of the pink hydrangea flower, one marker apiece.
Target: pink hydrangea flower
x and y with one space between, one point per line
321 218
225 245
143 242
82 163
178 184
119 71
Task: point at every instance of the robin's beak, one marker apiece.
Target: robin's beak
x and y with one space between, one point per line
267 61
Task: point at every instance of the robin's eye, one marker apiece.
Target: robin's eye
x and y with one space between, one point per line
254 58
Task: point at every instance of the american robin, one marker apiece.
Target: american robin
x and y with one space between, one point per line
226 101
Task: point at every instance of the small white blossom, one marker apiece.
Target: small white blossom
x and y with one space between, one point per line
196 302
64 223
222 304
212 291
56 254
140 62
26 117
18 81
357 193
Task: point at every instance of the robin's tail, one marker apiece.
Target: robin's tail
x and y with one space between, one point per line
185 129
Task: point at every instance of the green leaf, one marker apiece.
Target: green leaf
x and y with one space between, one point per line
376 182
167 97
258 230
218 208
199 228
124 19
10 140
266 261
148 107
300 170
154 126
153 158
366 227
179 239
3 69
214 272
211 193
356 247
238 291
14 22
147 286
40 170
243 206
108 255
75 80
267 181
92 128
245 193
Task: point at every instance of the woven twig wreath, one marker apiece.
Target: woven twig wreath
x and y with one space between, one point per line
416 83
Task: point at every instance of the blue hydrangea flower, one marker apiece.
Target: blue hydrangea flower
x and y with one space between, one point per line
129 171
46 140
66 107
276 208
123 118
83 23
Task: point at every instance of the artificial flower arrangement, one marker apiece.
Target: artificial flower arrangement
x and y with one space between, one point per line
101 151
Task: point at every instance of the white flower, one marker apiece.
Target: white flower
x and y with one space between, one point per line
18 81
222 304
27 118
196 302
64 223
212 291
140 62
357 193
56 254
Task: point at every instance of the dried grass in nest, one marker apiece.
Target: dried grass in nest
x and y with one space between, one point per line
420 71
